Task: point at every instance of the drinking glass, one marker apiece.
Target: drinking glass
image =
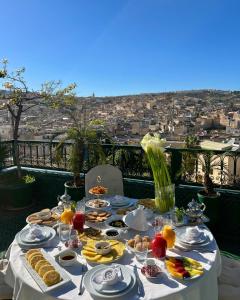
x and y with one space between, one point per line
141 251
64 232
158 224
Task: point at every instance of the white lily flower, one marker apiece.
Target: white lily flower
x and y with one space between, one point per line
153 142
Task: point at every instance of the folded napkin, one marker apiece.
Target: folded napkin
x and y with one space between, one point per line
119 200
35 233
193 235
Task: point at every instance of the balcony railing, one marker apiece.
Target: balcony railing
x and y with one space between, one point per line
184 164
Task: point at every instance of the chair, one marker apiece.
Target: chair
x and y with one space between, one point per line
111 178
228 282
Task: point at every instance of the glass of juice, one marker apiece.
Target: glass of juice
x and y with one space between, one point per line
67 214
79 217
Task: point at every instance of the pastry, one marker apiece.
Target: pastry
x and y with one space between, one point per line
34 258
41 263
147 203
35 219
98 190
139 242
51 277
31 251
45 268
97 217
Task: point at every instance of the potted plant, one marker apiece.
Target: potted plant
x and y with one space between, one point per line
208 195
85 150
17 99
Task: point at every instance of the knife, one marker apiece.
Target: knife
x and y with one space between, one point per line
139 283
84 270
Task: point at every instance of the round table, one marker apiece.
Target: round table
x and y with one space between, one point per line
164 287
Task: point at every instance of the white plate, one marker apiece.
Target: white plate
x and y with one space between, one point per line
120 296
186 246
65 278
23 244
183 246
116 288
25 232
98 208
125 202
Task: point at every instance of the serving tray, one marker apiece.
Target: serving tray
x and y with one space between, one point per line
65 277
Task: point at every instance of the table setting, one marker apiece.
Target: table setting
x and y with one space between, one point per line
108 248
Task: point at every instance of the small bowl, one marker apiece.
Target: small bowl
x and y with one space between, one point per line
102 248
116 219
150 263
116 234
67 258
44 215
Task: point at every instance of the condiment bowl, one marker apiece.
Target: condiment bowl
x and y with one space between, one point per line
113 233
103 247
67 258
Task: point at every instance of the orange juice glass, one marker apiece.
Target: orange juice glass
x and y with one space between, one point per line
169 235
67 215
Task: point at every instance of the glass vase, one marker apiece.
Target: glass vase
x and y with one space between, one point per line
164 198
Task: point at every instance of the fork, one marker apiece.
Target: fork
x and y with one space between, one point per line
84 270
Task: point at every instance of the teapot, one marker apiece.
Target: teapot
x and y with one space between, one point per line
195 209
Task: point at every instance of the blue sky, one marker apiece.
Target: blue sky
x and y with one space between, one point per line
117 47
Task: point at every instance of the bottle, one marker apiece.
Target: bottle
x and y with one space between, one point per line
159 246
79 217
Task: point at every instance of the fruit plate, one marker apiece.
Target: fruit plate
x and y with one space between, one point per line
64 276
183 268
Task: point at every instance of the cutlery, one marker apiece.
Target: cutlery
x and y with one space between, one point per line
84 270
139 283
195 250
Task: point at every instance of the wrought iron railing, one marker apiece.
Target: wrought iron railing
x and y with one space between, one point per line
185 165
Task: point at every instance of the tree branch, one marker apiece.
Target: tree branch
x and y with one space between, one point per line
29 107
11 110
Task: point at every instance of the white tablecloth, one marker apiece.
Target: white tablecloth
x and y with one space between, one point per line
164 288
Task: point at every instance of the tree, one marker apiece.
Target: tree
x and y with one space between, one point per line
17 98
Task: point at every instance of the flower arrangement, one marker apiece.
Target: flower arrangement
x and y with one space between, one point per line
153 146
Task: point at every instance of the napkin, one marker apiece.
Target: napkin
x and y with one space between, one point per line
136 219
35 233
193 235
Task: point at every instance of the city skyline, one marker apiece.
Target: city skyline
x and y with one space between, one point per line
112 48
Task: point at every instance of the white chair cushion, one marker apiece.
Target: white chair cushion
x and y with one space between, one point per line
229 282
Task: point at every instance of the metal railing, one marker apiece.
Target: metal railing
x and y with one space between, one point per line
185 165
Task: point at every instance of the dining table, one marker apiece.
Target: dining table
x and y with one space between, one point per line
164 287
